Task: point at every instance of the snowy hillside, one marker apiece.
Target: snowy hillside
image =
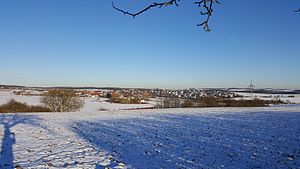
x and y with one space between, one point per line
170 138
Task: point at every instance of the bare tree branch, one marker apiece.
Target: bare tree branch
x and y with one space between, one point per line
206 8
155 4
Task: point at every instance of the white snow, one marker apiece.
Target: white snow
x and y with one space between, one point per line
95 104
91 104
267 137
7 95
283 97
171 138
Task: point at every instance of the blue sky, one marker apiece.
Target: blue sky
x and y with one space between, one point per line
87 43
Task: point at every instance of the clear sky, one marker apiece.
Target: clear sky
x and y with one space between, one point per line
87 43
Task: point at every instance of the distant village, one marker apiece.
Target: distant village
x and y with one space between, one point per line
170 98
135 95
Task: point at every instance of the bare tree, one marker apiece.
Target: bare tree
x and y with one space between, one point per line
205 6
206 9
62 100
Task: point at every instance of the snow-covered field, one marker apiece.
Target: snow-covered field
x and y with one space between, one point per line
7 95
284 97
170 138
91 104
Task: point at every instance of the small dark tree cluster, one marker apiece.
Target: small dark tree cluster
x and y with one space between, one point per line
171 103
130 99
13 107
215 102
225 102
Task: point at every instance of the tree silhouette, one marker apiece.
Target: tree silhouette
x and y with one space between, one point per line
205 6
62 100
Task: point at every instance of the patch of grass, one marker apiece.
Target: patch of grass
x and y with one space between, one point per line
13 106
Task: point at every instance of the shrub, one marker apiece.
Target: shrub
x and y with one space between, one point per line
188 103
13 106
246 103
117 98
62 100
209 102
221 102
172 103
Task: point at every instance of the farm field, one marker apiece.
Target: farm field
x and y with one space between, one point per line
162 84
292 98
170 138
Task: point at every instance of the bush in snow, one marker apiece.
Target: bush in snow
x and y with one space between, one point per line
13 106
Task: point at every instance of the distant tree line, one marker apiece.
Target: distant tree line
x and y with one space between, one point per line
214 102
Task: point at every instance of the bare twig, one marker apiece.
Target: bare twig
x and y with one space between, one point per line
206 8
153 5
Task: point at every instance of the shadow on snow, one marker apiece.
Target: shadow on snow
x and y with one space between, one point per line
8 121
241 140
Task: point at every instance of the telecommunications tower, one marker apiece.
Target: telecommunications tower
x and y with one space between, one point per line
251 87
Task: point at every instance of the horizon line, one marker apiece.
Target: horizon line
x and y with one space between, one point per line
119 87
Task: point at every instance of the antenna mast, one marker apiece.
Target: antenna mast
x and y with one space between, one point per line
251 86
